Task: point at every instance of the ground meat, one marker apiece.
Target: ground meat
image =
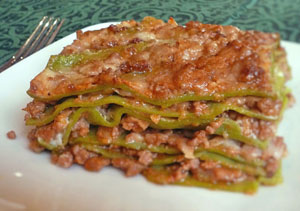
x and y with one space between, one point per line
213 126
134 124
106 135
199 139
129 152
264 105
291 100
35 109
80 154
35 146
200 108
11 134
272 166
33 143
81 128
134 137
145 157
155 118
48 132
131 167
64 159
157 138
255 128
269 107
209 164
96 163
250 152
190 164
276 149
176 140
182 108
229 146
180 172
179 175
228 175
181 144
267 129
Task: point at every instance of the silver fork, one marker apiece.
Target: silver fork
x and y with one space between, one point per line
43 35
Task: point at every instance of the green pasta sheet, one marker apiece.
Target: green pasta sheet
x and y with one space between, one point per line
170 159
162 160
64 63
172 154
274 180
160 102
234 131
159 175
96 118
214 109
163 149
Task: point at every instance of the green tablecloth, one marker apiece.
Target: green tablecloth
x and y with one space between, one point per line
18 18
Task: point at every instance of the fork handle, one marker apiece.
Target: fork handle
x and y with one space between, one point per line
7 64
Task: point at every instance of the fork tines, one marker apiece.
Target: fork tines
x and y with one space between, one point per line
43 35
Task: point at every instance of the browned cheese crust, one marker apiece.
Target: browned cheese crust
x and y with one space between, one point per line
200 59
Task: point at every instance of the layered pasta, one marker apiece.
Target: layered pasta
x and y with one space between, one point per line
194 105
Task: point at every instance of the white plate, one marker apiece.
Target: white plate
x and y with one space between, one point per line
28 181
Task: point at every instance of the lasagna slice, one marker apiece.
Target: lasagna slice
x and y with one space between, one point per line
193 105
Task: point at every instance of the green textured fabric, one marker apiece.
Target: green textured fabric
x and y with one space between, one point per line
18 18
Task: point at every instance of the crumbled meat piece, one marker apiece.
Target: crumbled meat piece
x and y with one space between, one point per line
250 152
81 128
33 143
209 164
264 105
255 128
200 108
35 109
276 149
182 145
48 132
96 163
106 135
134 124
81 154
266 129
130 152
145 157
179 174
272 166
131 167
269 106
64 159
199 139
175 140
291 100
156 138
182 108
228 175
190 164
11 134
155 118
35 146
213 126
134 137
